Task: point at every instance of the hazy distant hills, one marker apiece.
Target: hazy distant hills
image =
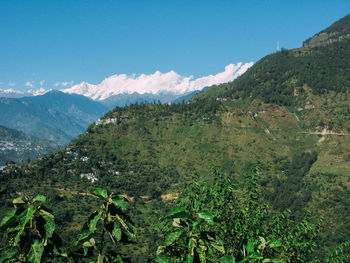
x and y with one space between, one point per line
15 146
54 116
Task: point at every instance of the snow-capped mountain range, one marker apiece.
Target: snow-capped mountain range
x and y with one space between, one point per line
156 83
122 89
12 93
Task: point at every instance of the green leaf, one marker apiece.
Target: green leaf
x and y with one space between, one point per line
8 253
36 252
162 259
18 201
90 243
18 237
172 237
179 212
49 222
40 198
197 223
275 243
26 215
100 192
93 222
120 203
255 255
83 235
262 244
177 223
117 232
267 260
250 247
208 217
227 259
8 219
189 259
100 258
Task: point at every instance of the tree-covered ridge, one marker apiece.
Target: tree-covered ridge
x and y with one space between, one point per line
338 29
306 80
280 77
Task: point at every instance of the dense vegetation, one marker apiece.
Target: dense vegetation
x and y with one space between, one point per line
215 222
288 115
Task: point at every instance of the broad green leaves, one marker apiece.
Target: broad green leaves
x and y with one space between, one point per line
100 192
36 252
8 219
207 217
8 253
109 223
29 231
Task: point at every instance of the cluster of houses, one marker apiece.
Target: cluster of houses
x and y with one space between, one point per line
89 176
222 99
76 156
3 168
18 146
111 120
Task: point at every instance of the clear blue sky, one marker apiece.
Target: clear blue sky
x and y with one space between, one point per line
66 40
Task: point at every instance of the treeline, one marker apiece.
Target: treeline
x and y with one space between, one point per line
276 78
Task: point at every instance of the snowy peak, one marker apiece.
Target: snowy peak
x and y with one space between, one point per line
11 93
156 83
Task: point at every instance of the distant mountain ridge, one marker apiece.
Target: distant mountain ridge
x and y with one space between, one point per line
54 116
158 85
12 93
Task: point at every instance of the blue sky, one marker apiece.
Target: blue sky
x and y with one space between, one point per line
65 40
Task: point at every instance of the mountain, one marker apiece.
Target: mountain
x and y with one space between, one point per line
121 100
54 116
288 115
303 78
11 93
119 90
15 146
187 97
340 29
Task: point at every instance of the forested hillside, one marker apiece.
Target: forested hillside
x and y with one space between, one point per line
287 115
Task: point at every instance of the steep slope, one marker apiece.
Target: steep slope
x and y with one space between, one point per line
308 78
288 115
54 116
341 28
15 146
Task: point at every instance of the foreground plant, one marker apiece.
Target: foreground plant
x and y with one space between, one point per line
30 232
241 227
104 230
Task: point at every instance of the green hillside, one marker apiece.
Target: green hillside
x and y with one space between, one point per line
288 115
